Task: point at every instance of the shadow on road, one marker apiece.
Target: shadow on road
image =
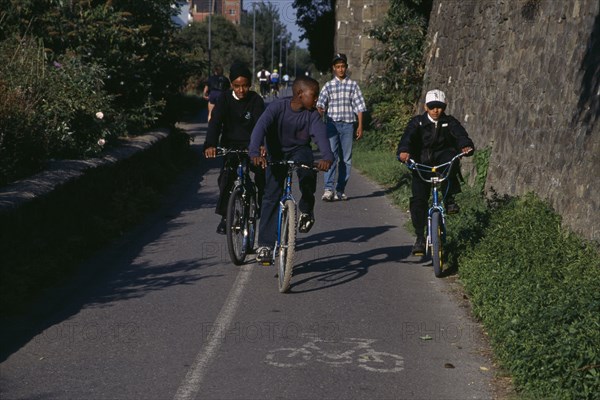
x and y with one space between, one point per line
129 278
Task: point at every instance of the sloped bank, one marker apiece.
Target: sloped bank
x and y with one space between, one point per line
53 220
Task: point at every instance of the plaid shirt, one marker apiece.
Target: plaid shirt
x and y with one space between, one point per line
342 99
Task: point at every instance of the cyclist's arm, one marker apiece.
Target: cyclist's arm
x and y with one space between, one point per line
463 141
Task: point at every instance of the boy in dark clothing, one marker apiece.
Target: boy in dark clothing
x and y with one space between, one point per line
215 85
432 138
287 127
233 119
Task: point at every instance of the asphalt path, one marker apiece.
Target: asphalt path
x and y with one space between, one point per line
163 314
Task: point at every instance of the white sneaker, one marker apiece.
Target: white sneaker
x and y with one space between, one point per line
328 195
340 196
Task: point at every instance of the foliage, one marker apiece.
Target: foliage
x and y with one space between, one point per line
58 111
130 40
317 19
535 287
394 86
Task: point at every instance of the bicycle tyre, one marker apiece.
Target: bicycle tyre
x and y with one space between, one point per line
237 227
437 251
287 246
252 223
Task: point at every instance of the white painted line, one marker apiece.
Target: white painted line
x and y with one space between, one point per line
191 384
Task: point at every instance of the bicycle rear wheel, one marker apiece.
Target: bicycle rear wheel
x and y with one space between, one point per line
287 245
237 227
437 251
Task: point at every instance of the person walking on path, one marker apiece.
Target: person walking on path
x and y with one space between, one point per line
432 138
342 102
234 117
215 85
287 127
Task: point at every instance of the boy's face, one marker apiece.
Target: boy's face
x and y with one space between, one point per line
339 69
308 98
241 86
434 112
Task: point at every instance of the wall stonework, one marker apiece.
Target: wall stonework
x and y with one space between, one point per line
353 18
524 77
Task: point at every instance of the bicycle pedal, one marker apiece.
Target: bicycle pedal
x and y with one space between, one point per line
266 263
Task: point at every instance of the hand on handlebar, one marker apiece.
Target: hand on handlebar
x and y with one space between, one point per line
260 161
324 165
210 152
404 157
467 151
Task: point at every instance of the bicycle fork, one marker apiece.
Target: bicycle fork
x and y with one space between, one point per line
436 207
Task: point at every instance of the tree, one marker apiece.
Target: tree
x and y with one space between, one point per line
317 19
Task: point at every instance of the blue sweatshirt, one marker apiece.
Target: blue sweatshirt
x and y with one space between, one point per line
284 130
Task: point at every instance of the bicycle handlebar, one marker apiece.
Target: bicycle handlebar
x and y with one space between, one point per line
415 166
221 151
293 163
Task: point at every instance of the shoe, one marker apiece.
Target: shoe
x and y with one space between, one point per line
452 208
264 255
328 195
306 222
419 247
222 227
340 196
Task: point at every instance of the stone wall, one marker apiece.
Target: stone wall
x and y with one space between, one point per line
523 76
353 18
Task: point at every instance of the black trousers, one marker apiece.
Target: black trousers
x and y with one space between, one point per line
227 178
421 191
275 178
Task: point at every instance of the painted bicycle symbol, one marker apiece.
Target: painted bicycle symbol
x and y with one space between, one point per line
336 353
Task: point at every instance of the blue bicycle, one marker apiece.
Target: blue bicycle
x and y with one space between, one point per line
242 209
436 218
285 245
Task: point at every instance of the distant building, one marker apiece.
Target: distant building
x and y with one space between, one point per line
230 9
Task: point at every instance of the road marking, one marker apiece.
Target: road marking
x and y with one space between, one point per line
337 353
191 384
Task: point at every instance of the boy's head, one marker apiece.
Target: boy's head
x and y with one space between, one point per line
435 103
241 79
305 92
339 64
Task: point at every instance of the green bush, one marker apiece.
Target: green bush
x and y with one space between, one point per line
58 111
537 290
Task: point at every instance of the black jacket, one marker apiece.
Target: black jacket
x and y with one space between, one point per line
426 144
232 120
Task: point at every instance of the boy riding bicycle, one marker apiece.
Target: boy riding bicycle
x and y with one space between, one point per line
287 127
432 138
233 119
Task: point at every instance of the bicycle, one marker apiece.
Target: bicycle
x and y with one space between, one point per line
285 245
436 218
242 209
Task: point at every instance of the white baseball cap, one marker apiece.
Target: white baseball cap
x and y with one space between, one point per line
435 98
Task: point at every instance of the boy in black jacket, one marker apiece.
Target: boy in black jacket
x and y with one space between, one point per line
231 124
432 138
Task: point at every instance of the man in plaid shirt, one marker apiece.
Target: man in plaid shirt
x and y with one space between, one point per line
344 104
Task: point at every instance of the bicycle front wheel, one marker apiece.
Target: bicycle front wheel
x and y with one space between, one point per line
237 227
437 251
287 245
252 223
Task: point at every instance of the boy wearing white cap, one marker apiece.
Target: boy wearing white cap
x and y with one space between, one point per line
432 138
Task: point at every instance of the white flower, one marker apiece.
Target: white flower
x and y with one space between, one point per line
99 115
101 142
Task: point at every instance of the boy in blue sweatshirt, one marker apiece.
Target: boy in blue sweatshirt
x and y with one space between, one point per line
287 127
